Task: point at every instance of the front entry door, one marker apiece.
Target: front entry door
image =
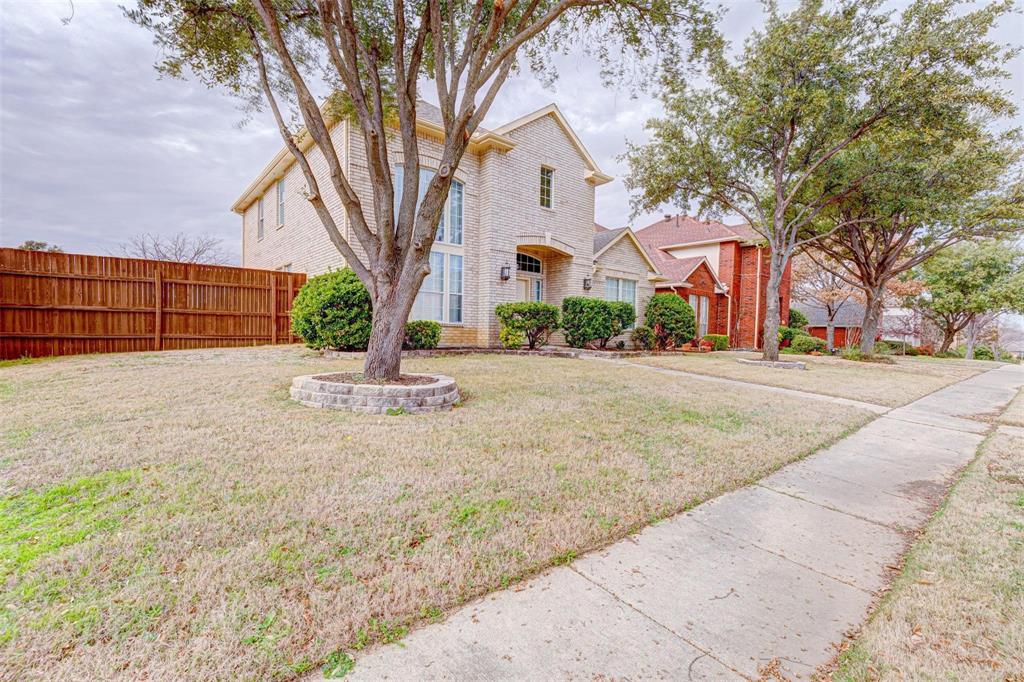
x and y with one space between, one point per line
523 289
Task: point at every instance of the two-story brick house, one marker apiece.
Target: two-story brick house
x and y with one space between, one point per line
722 270
518 224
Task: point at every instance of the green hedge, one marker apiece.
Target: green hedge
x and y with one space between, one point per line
529 322
333 310
422 335
672 320
787 334
593 321
718 341
808 344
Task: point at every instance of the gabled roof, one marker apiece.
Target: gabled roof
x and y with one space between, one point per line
851 314
682 230
600 228
678 270
594 175
429 121
607 238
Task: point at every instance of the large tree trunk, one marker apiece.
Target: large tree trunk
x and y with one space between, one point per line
948 334
972 334
830 336
770 331
872 316
391 309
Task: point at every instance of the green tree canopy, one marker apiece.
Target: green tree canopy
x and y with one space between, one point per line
762 139
365 61
971 281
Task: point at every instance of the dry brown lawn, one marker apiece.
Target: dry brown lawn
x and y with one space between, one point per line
175 515
892 385
1014 413
957 612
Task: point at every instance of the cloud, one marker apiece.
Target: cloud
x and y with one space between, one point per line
95 148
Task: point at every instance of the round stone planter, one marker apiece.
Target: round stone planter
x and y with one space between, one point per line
437 396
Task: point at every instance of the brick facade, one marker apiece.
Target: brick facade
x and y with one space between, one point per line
738 306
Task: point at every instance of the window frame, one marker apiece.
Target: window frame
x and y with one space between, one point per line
443 225
280 203
547 174
260 231
447 292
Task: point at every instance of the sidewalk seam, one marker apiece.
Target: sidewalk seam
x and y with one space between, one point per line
705 651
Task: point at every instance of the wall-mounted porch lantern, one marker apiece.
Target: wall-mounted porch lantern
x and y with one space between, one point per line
587 283
506 272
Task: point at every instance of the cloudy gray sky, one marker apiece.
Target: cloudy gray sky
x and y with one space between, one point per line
94 148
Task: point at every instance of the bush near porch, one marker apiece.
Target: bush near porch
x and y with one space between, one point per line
215 529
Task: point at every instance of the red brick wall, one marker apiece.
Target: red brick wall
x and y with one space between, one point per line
704 285
749 305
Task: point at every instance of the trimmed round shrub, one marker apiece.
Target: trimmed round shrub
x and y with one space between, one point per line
333 310
808 344
983 353
534 321
672 320
643 338
718 341
797 320
883 348
594 321
422 335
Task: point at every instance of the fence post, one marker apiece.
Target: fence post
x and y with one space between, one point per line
291 298
158 284
273 309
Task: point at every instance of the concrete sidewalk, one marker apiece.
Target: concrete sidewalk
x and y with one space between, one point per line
777 571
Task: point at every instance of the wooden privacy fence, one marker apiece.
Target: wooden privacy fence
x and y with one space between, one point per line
63 304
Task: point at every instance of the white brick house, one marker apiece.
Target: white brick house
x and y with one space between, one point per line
519 224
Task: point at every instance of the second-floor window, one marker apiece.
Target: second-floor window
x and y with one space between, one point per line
449 228
280 202
259 218
547 187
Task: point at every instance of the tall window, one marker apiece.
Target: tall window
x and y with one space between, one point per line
259 218
280 202
440 297
547 184
704 307
449 228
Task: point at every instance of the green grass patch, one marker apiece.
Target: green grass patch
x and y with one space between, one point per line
39 522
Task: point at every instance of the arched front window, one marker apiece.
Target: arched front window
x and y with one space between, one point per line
527 263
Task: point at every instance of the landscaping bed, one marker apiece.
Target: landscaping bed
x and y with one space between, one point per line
216 529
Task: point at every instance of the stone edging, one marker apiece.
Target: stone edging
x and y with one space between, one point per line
778 364
375 398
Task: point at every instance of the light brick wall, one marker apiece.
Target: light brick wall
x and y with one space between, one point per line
502 202
510 207
624 260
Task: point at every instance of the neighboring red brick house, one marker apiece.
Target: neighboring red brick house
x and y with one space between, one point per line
722 270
